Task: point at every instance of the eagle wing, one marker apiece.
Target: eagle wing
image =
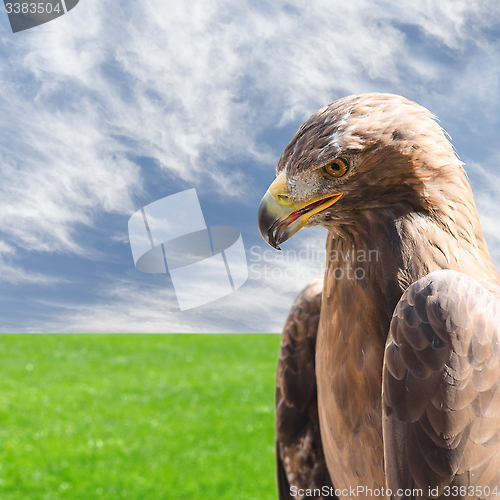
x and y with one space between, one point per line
299 452
441 390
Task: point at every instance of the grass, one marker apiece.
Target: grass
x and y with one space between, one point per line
144 417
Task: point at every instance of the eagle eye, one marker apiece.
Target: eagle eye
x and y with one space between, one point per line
336 168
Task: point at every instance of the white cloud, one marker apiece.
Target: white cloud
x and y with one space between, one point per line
16 275
194 86
487 202
150 306
189 85
60 174
127 307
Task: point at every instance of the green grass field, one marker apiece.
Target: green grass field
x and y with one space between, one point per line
144 417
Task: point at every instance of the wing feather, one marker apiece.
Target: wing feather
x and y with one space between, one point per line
299 451
441 389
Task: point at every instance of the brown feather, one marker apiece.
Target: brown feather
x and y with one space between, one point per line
299 451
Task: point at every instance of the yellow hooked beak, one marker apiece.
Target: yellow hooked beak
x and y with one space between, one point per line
280 218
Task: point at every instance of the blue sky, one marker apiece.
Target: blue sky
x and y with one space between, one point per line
120 103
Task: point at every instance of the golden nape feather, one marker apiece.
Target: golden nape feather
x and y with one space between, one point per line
389 372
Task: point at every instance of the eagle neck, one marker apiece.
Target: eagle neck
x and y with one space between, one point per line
361 289
364 276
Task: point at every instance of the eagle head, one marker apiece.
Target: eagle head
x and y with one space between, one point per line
360 154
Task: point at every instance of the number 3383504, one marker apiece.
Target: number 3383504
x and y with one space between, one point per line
32 8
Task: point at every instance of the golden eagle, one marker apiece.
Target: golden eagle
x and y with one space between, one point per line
389 371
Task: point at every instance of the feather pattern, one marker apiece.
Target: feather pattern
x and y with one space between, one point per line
299 452
441 388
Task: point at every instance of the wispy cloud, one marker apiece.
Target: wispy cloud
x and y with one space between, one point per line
189 85
12 273
131 305
128 307
487 202
198 89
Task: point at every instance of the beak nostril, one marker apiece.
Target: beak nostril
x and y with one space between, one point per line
284 200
